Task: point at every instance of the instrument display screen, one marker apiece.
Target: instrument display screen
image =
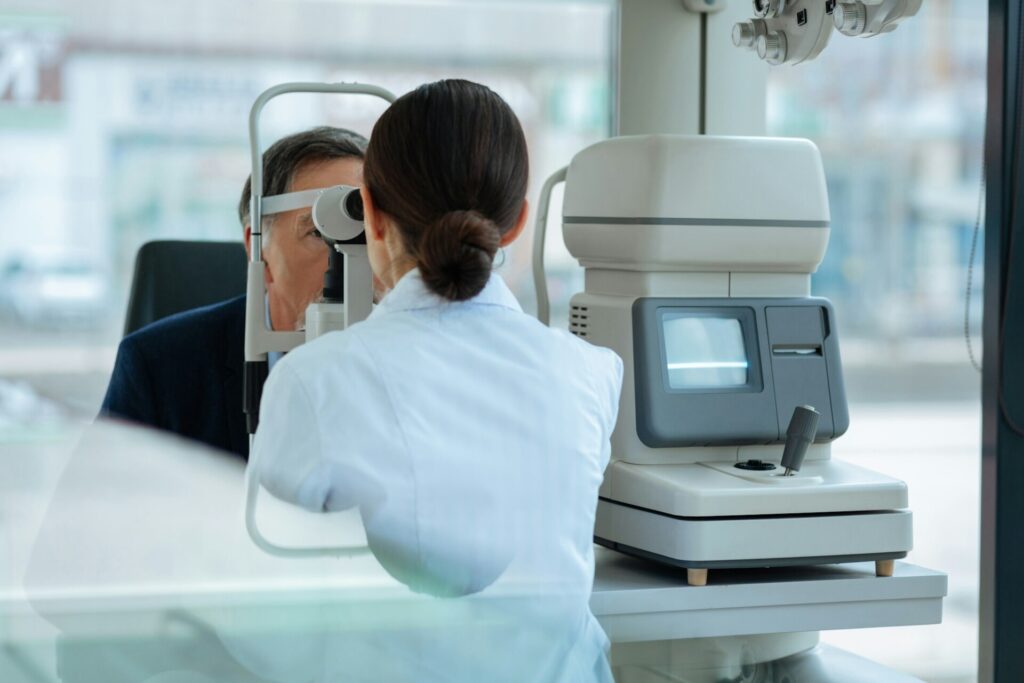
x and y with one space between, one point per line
704 352
728 371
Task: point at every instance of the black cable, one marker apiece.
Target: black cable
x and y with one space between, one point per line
970 273
1018 129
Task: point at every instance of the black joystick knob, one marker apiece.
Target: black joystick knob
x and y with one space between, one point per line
803 427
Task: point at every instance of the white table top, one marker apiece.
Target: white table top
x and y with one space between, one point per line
636 600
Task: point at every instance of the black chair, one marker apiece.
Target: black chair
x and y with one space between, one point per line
173 276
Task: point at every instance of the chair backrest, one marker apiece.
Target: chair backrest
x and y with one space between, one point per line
174 276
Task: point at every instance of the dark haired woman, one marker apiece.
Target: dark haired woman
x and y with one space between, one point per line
472 438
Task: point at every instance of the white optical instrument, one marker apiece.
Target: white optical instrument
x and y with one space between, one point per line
348 287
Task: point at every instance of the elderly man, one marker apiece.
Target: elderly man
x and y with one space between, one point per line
183 374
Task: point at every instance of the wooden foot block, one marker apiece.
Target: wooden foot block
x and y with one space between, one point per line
884 567
697 577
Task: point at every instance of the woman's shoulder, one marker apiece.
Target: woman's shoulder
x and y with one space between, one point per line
326 356
592 353
602 365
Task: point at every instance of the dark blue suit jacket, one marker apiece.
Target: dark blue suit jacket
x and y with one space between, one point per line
183 374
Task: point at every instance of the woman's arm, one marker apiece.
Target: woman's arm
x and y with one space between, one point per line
609 389
287 449
322 414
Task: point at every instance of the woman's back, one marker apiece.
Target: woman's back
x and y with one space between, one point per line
472 438
487 445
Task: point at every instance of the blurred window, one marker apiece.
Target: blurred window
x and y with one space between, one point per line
900 122
123 122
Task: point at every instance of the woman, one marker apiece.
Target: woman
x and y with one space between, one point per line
472 438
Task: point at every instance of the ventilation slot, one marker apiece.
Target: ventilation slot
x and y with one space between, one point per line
578 320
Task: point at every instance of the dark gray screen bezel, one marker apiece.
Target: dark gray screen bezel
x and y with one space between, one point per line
668 417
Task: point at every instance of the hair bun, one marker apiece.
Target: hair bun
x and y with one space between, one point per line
456 254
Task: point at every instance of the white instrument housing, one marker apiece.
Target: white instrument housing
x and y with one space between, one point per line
675 227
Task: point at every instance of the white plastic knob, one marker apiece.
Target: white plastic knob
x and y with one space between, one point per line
850 18
772 47
743 35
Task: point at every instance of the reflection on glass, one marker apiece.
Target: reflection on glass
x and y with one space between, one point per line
702 352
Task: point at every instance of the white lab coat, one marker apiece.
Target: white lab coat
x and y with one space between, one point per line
473 439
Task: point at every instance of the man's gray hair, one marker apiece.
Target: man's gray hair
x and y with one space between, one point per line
286 156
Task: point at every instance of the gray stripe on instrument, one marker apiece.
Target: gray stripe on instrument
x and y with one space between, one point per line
710 222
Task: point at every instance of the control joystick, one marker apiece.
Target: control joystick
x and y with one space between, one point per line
803 428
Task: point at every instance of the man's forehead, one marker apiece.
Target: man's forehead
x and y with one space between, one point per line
327 173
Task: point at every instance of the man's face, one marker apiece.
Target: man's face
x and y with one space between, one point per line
295 256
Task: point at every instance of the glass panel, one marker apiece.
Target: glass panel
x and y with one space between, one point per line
124 122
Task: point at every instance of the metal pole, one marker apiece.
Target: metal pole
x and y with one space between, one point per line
659 75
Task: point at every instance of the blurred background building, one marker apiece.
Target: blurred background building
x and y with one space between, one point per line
123 121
